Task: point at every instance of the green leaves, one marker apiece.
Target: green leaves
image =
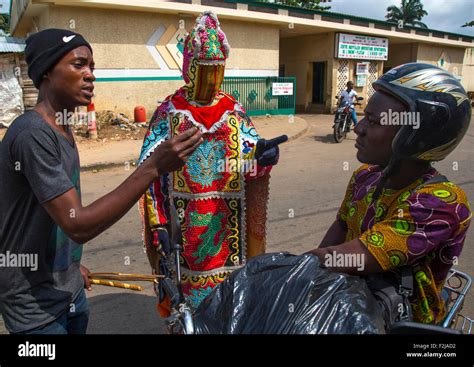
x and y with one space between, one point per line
305 4
410 12
5 23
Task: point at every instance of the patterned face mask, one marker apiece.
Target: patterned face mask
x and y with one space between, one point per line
205 52
208 82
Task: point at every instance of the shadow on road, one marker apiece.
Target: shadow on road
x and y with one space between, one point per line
124 313
328 139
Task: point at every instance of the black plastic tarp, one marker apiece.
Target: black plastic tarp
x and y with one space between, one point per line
281 293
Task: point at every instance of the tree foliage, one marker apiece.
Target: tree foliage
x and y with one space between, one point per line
410 12
305 4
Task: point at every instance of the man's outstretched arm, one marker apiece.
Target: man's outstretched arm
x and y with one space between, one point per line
82 224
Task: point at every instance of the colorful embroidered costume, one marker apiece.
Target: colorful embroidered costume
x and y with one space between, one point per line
220 194
420 225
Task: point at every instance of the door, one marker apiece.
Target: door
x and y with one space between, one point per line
318 82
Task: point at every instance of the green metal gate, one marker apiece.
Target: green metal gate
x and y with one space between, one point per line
256 94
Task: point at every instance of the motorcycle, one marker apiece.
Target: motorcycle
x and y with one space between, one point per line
457 285
180 320
182 317
454 292
343 120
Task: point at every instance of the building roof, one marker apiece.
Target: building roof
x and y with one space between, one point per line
12 44
255 11
356 20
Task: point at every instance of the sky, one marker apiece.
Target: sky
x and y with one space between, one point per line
443 15
5 6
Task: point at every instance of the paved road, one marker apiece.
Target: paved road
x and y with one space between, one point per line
306 189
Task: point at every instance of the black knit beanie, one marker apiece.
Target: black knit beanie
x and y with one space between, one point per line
44 49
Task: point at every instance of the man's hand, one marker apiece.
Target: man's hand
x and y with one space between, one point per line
82 224
85 275
267 152
172 154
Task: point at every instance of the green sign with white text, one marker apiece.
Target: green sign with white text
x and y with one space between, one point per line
353 46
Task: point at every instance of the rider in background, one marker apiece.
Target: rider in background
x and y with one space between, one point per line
391 215
349 95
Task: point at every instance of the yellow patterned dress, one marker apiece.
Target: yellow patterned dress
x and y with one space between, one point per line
420 225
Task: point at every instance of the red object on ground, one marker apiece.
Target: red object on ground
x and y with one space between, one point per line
139 114
91 121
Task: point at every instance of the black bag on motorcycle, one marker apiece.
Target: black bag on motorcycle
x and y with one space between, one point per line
281 293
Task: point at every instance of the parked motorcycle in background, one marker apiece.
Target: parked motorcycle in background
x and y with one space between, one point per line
342 119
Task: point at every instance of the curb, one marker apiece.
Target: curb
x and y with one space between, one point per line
300 133
133 160
107 165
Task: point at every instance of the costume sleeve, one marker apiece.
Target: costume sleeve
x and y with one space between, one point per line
153 202
430 219
249 145
256 189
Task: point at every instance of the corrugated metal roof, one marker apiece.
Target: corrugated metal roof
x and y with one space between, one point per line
12 44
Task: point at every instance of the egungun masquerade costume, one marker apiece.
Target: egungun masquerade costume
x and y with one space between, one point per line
221 193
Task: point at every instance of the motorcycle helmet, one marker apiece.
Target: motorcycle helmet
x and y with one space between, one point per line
439 102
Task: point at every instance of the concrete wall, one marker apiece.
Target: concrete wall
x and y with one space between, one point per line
401 53
461 60
252 46
124 96
119 39
298 55
430 54
468 70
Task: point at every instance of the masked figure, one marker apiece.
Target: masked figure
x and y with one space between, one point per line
220 194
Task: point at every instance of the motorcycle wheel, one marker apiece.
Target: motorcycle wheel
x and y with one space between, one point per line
339 134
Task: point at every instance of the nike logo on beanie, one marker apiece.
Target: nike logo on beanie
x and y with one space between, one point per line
45 48
67 39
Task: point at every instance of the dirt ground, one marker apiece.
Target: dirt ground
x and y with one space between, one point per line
111 133
110 127
117 127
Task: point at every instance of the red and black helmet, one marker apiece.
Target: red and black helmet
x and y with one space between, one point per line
441 103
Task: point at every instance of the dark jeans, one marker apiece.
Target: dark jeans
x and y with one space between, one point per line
73 321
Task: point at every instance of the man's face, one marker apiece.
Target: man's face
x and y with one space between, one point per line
350 86
71 79
374 141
